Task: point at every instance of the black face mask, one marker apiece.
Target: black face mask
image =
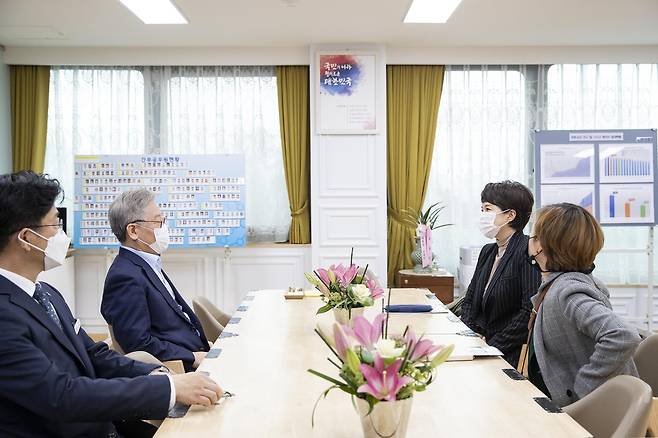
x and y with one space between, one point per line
590 270
532 260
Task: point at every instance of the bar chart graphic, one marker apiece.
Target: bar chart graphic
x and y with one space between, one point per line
612 173
627 204
631 207
626 163
614 166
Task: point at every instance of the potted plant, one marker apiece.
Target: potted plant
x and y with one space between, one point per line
381 374
424 222
345 290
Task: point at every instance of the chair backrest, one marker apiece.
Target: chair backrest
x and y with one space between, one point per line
211 327
216 312
115 345
143 356
646 358
618 408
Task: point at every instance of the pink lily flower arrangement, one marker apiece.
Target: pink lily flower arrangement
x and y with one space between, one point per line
343 287
377 369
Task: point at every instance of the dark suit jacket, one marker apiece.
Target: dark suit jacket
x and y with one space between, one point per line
501 315
145 317
54 383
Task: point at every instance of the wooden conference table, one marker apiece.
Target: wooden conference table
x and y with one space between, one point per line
265 367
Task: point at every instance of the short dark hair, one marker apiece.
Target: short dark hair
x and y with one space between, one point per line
510 195
25 198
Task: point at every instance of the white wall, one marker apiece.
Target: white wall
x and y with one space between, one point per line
222 276
5 117
348 183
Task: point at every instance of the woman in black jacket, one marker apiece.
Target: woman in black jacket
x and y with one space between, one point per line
497 303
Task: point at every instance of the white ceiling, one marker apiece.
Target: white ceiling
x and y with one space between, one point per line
297 23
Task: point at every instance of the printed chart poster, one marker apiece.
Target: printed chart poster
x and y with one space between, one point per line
582 195
626 163
202 196
346 94
627 204
567 163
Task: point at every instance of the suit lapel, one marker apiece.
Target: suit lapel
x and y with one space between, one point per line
511 247
60 307
24 301
195 321
154 279
484 276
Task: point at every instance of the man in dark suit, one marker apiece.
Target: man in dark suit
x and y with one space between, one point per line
497 303
140 302
54 380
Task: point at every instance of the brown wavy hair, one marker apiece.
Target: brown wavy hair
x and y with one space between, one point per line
570 237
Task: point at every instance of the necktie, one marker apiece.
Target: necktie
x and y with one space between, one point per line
42 297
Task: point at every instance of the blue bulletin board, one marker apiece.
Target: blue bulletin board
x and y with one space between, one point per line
202 196
612 173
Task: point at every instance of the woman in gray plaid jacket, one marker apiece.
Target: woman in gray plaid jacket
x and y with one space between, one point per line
577 342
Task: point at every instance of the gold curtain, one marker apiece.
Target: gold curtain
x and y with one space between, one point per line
293 89
413 93
29 116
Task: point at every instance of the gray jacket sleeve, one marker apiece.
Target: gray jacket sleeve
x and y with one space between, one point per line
615 341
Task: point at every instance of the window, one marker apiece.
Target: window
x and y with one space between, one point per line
608 96
485 130
481 136
178 110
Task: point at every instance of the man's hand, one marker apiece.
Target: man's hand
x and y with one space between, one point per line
198 357
196 389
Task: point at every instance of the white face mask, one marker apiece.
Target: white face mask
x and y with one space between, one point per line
487 223
161 239
55 252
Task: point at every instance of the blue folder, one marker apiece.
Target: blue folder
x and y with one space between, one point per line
409 308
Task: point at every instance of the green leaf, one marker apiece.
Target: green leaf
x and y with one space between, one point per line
442 356
352 361
441 226
327 307
327 378
315 406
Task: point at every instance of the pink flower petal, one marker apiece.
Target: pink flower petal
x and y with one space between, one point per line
372 376
376 331
362 331
341 342
368 389
324 276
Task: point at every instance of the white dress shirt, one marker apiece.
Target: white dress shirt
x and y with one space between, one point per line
24 283
155 263
29 287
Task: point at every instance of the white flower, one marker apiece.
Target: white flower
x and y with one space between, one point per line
361 292
386 348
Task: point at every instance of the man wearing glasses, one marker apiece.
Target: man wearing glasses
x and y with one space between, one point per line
140 303
54 380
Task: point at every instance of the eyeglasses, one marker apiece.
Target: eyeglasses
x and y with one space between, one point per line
161 222
59 225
